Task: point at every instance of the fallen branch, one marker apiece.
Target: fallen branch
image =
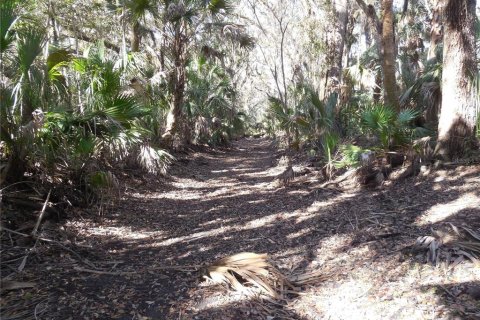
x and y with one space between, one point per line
40 216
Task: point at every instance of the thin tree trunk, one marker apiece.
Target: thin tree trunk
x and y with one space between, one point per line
337 43
135 37
459 111
388 62
436 29
376 26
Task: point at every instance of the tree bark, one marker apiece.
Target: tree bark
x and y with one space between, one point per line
459 111
337 43
177 85
436 28
376 27
388 61
135 37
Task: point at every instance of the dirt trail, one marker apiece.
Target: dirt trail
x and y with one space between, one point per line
224 202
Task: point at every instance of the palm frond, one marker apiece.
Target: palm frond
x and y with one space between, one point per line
29 47
154 160
454 246
123 109
245 269
406 116
378 117
139 8
217 6
7 20
249 272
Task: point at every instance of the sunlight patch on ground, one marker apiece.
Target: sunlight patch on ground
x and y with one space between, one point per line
116 232
216 208
220 171
253 224
442 211
216 221
298 193
257 201
316 205
193 236
173 195
328 248
363 296
219 299
316 208
299 233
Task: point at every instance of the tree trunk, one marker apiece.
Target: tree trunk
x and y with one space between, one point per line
388 62
458 115
135 37
177 85
337 41
436 28
376 26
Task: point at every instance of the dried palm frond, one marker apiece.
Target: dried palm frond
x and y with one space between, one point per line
459 244
246 271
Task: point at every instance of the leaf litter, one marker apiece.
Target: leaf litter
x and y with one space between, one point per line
175 247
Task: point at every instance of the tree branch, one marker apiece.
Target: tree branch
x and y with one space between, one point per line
82 36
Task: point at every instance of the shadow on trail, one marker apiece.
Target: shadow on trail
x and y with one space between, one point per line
229 204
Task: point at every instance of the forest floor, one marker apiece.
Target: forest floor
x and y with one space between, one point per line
140 259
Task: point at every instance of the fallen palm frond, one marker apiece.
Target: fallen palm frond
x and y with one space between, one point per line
252 272
457 245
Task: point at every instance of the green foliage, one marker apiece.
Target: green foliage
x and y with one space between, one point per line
29 46
7 20
423 91
391 128
217 6
350 156
329 144
309 119
210 96
139 8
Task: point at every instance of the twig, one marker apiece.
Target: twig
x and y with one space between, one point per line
10 185
34 232
447 291
105 272
15 232
50 241
180 267
41 311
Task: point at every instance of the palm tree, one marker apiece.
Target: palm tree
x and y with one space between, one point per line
389 48
385 42
137 10
182 19
458 115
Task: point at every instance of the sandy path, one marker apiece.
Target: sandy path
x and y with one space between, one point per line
223 202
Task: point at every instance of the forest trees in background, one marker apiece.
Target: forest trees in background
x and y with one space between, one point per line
99 98
124 80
